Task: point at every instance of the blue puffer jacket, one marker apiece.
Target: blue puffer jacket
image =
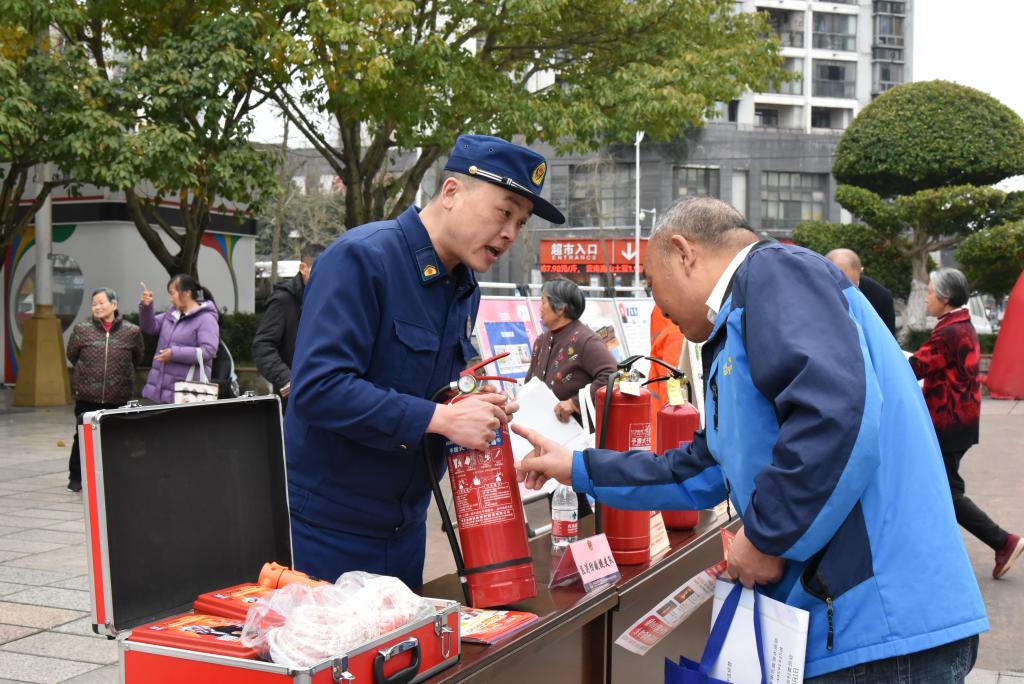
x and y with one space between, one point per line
817 431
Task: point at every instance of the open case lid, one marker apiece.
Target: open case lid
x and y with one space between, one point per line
181 500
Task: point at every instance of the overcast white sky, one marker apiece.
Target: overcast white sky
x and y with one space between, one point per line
976 43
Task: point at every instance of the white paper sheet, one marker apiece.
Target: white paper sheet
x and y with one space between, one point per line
537 412
783 633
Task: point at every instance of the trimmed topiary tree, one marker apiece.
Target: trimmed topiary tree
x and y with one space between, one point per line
884 259
918 161
993 259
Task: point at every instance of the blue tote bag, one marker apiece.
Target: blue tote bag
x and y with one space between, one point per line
689 672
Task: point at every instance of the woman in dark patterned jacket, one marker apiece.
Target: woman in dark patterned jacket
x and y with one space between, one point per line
948 364
103 352
568 355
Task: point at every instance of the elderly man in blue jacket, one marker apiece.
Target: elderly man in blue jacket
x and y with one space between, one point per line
818 434
386 321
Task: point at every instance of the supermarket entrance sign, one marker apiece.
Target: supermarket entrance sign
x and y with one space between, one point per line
584 255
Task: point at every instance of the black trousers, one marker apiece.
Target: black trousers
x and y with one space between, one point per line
970 517
74 462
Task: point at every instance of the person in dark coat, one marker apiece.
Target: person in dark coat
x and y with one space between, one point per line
877 295
103 352
273 346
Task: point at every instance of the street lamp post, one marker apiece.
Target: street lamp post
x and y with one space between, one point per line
636 229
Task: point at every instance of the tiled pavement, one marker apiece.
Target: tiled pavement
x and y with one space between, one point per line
45 629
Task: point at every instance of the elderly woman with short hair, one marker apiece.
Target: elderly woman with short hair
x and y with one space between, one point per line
103 352
948 364
569 355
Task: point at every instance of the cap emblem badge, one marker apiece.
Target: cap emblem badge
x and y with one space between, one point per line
538 173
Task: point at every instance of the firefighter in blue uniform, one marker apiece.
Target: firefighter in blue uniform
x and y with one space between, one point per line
386 321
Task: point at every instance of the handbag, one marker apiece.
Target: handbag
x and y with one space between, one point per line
690 672
189 391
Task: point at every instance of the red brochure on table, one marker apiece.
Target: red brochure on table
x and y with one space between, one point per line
481 626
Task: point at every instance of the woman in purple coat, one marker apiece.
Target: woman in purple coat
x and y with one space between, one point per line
190 323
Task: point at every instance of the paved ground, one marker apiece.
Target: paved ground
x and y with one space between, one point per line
45 633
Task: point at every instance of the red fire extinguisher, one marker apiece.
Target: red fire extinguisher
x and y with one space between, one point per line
494 562
625 424
677 421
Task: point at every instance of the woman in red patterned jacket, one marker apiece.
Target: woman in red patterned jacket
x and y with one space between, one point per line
948 364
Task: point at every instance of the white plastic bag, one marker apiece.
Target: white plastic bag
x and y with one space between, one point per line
299 626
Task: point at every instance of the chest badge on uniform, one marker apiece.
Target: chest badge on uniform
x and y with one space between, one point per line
727 368
429 271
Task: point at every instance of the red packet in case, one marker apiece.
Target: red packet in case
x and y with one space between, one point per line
196 632
233 602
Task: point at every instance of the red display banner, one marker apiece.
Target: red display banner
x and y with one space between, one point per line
584 255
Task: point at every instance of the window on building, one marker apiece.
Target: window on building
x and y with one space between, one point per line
734 110
890 7
835 31
695 180
788 198
834 79
788 25
887 53
829 117
886 75
888 30
601 194
794 65
766 118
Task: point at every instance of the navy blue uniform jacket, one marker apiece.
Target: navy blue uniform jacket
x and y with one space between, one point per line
383 326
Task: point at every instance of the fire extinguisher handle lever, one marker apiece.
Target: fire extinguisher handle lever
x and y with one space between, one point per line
472 370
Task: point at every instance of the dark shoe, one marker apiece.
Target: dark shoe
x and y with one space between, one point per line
74 486
1008 555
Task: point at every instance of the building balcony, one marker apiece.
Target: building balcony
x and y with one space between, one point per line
841 89
788 25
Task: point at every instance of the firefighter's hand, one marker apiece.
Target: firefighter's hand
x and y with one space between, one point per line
548 460
750 566
491 393
472 422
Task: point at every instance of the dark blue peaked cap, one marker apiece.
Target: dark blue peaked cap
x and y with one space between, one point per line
513 167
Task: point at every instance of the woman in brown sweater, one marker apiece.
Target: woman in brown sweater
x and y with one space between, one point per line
569 355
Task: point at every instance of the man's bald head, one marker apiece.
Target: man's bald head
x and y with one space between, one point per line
848 262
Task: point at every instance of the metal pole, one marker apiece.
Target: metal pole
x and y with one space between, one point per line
44 241
636 227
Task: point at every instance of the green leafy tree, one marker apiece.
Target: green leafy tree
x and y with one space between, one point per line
184 77
919 161
884 258
51 109
993 259
305 218
410 75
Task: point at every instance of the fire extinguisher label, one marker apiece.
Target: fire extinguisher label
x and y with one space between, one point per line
482 493
640 436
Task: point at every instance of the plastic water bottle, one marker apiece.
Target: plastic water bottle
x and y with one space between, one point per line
564 517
